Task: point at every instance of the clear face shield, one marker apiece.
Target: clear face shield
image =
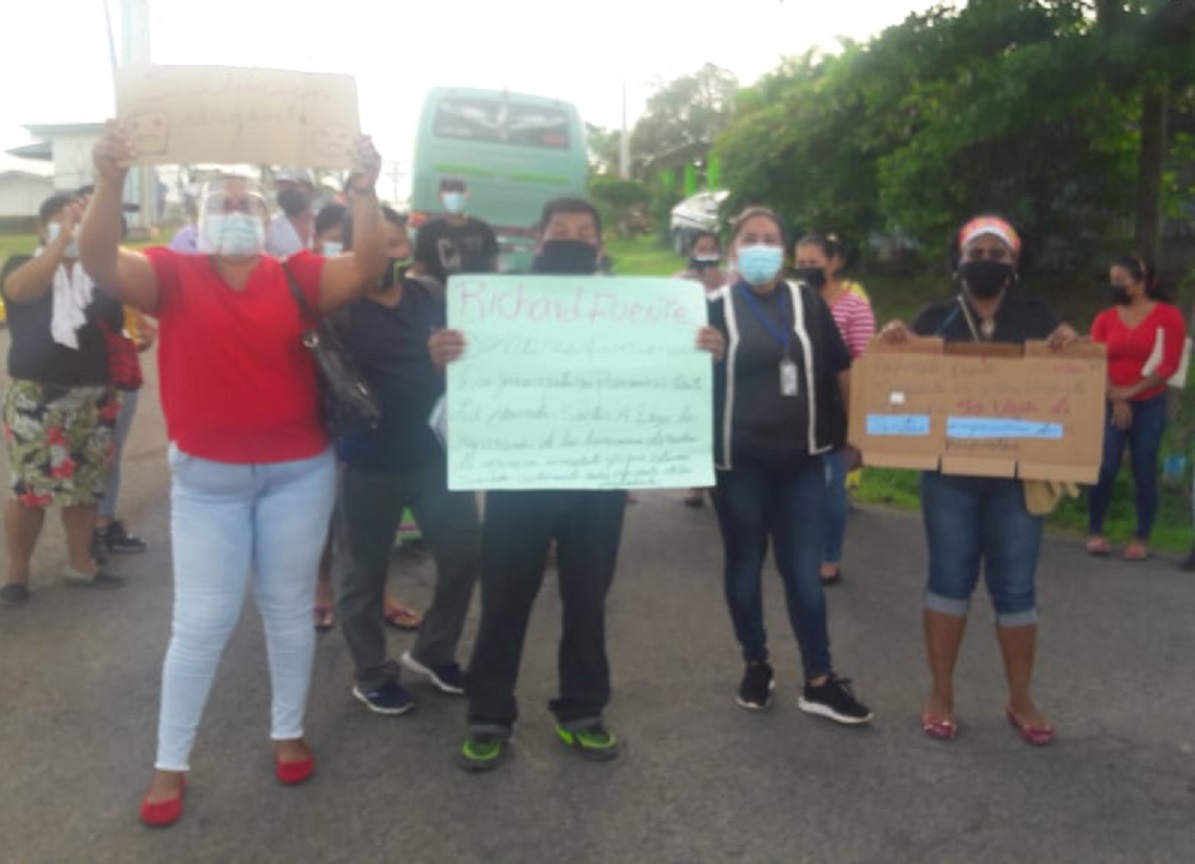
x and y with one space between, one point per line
232 218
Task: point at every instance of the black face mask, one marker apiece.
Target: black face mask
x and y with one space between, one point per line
985 279
1120 295
814 277
396 271
566 257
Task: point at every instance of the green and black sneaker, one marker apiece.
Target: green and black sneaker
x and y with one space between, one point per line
483 751
590 738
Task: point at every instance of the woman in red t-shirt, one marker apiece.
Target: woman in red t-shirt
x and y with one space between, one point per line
1145 338
252 472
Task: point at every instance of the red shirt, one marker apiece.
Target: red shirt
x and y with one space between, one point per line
1129 349
237 383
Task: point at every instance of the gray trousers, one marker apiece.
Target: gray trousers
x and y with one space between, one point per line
369 506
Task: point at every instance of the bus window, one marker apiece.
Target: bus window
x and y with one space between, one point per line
495 122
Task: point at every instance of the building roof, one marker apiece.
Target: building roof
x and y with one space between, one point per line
45 130
37 150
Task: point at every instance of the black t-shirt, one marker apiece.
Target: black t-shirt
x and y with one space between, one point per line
389 346
34 355
445 249
1018 319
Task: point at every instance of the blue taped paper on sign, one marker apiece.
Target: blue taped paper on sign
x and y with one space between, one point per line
1001 427
578 382
897 424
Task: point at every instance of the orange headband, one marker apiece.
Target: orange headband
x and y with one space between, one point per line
993 226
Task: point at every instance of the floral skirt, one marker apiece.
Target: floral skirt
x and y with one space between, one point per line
60 442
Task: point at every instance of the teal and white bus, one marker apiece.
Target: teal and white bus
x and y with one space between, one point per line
514 151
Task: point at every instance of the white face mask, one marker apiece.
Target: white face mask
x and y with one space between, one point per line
234 234
71 250
454 202
332 248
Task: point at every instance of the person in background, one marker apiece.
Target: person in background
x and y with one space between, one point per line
60 409
186 239
1145 337
779 408
819 262
387 469
974 522
111 536
518 528
291 230
328 241
455 242
252 470
704 266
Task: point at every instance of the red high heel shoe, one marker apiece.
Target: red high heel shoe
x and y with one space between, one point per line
1038 736
161 814
294 773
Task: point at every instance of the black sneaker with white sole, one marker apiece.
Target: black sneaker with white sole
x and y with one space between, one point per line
387 698
834 699
446 677
755 691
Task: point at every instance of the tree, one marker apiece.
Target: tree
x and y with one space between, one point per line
689 111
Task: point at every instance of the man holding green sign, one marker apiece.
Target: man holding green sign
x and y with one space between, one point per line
558 452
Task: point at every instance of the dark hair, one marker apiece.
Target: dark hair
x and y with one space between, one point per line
569 204
830 245
389 214
452 184
751 213
1141 271
85 190
702 235
54 205
293 201
328 217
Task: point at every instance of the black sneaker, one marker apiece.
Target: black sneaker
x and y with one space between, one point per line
390 698
120 541
834 699
446 677
755 693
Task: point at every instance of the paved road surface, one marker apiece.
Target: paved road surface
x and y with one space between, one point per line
701 781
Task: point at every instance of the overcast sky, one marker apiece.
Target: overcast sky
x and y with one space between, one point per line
55 67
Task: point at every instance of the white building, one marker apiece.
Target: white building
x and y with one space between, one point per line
21 193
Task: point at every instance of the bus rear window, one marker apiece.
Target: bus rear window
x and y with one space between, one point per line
497 122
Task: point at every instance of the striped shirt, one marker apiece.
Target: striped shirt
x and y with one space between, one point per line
856 322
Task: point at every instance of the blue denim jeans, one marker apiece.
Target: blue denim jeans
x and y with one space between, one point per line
124 423
1144 438
974 521
836 506
782 499
228 520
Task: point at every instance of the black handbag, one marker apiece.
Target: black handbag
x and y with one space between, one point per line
347 404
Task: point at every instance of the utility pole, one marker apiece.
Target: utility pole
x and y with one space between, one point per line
624 140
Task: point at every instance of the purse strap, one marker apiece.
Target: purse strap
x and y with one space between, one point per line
308 314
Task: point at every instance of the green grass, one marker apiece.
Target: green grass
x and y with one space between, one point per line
900 297
16 244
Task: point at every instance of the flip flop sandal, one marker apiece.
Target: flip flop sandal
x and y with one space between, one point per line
940 729
325 618
402 618
1136 552
1098 546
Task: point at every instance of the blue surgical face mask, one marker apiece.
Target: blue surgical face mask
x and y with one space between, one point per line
454 202
234 234
332 248
759 263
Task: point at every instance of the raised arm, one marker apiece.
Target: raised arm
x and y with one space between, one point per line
345 277
123 274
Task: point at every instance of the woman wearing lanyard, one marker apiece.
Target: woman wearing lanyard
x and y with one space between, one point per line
779 408
982 521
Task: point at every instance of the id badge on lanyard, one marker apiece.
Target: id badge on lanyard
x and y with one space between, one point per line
788 377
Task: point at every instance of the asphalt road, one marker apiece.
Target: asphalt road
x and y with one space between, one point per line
701 780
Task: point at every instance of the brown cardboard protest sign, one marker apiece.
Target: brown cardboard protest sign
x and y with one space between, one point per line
230 115
988 410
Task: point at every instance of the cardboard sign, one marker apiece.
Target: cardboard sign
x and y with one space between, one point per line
228 115
578 382
987 410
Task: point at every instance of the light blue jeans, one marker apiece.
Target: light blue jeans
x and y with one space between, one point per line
227 520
